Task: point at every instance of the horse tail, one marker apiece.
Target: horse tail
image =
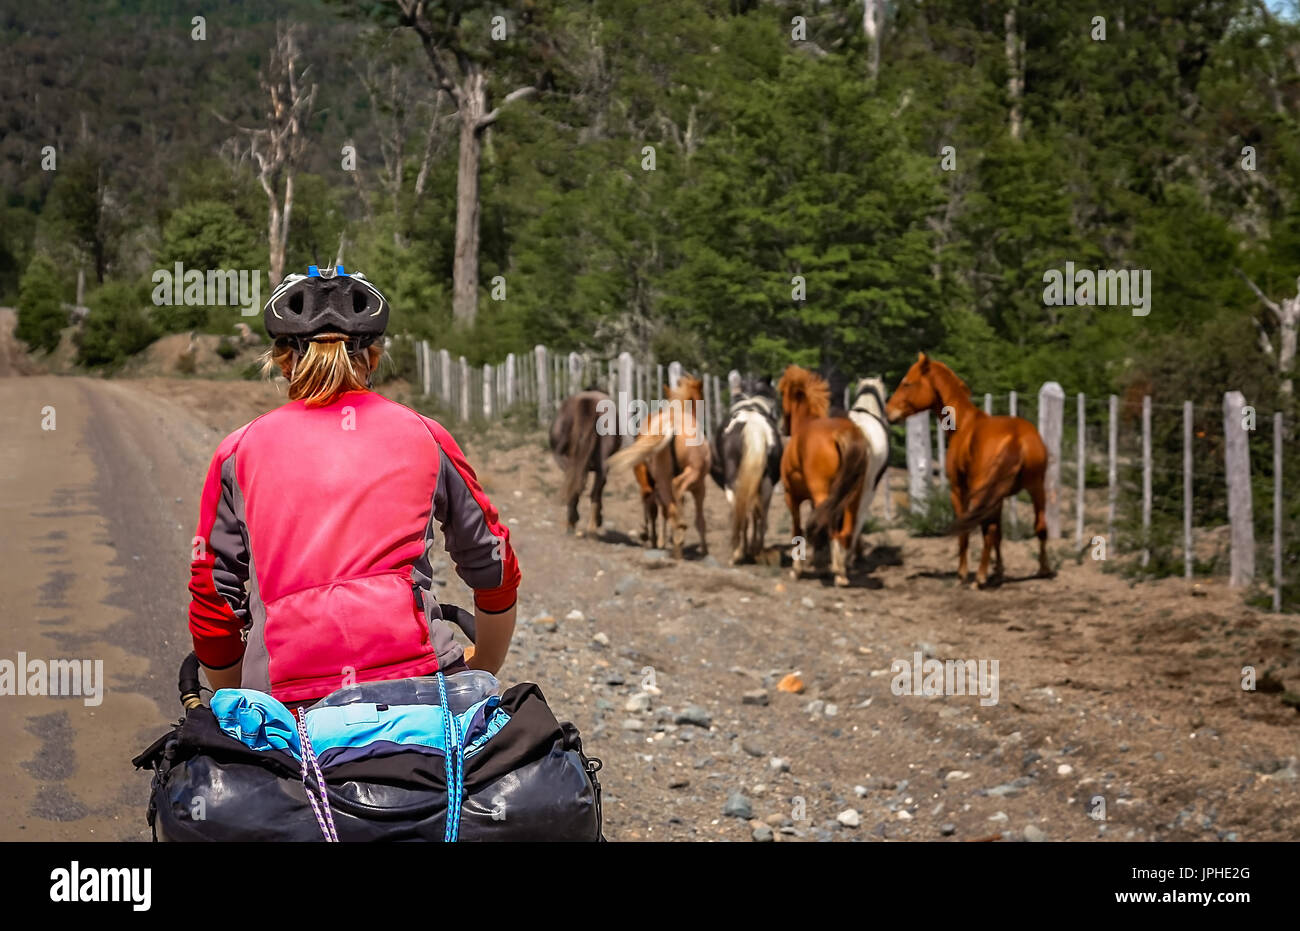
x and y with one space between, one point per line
645 446
749 474
581 445
987 499
853 467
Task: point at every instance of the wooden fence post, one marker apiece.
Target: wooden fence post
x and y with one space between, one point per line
420 366
1051 424
510 379
718 411
1081 439
1112 474
1188 557
659 380
918 460
542 371
464 390
488 387
1236 454
988 403
1011 501
575 373
941 436
1146 478
674 374
444 373
624 397
733 385
1277 512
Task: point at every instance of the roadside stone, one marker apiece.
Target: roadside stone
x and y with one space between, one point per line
601 639
831 710
763 834
1035 834
815 707
575 615
752 747
693 714
678 782
738 806
778 764
544 622
639 702
755 697
948 829
849 818
633 724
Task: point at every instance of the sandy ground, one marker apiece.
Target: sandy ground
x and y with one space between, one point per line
1130 694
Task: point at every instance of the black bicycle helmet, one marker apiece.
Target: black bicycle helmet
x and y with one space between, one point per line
329 301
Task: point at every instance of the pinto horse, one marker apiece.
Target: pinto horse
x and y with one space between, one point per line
677 460
825 461
868 412
579 448
747 463
989 458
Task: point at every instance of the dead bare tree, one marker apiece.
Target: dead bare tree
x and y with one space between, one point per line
1015 54
871 14
464 79
398 105
1286 317
277 147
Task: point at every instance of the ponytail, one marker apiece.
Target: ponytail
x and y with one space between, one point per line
325 369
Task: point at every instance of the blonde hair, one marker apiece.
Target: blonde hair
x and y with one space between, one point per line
325 369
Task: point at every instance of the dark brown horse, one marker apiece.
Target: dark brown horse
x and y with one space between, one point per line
825 461
580 448
989 458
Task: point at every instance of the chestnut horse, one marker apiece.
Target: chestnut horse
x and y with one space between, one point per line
579 448
825 461
672 447
989 458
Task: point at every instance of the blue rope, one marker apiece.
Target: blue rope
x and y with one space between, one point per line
455 768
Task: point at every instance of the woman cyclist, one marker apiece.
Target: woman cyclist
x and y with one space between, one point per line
312 555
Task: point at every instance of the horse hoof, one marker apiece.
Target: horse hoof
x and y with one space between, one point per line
978 584
570 529
794 573
842 581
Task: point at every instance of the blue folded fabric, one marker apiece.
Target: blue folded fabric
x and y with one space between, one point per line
256 720
350 732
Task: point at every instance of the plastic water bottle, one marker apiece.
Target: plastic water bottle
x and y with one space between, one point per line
464 689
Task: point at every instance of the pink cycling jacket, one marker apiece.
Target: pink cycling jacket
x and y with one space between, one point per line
316 526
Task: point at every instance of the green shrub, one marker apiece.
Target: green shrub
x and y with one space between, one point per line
40 311
226 349
117 326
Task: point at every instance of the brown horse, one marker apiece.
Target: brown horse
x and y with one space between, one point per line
989 458
579 448
676 458
825 461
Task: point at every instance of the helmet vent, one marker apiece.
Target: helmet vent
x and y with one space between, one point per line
295 302
360 300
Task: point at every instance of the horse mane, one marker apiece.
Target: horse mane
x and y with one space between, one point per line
800 385
950 377
689 388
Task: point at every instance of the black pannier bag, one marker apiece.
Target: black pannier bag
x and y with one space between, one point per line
529 782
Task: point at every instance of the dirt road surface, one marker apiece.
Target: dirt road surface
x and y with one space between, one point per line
1127 695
